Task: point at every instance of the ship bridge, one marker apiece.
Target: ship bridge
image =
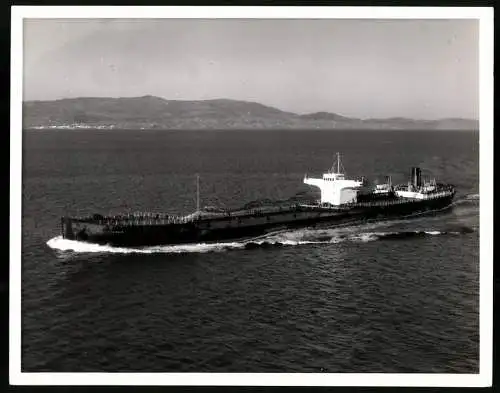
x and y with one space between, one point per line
335 188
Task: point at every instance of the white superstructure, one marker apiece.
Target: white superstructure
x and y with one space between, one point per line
425 191
335 188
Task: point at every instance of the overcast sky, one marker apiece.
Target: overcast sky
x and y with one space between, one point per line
362 68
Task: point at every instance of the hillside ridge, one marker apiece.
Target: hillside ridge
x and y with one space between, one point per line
152 112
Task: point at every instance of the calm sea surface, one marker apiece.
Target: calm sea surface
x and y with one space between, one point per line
393 296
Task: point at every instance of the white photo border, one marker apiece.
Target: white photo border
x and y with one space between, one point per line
486 50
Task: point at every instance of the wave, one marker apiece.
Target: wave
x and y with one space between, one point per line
467 199
370 236
281 239
410 234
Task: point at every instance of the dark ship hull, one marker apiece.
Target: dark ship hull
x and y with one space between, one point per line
159 229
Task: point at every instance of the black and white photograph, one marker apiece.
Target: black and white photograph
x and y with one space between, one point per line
251 197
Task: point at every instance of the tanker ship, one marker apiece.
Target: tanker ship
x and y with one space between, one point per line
342 200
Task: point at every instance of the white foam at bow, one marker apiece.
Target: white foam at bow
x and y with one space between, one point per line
61 244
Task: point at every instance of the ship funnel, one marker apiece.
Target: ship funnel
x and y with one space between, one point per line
416 177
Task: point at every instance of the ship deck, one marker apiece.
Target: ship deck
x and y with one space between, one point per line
152 218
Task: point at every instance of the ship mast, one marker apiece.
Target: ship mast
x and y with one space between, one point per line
338 162
197 193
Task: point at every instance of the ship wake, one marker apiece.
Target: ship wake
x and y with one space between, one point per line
335 236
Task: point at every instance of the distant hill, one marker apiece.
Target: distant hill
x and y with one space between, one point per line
326 116
151 112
